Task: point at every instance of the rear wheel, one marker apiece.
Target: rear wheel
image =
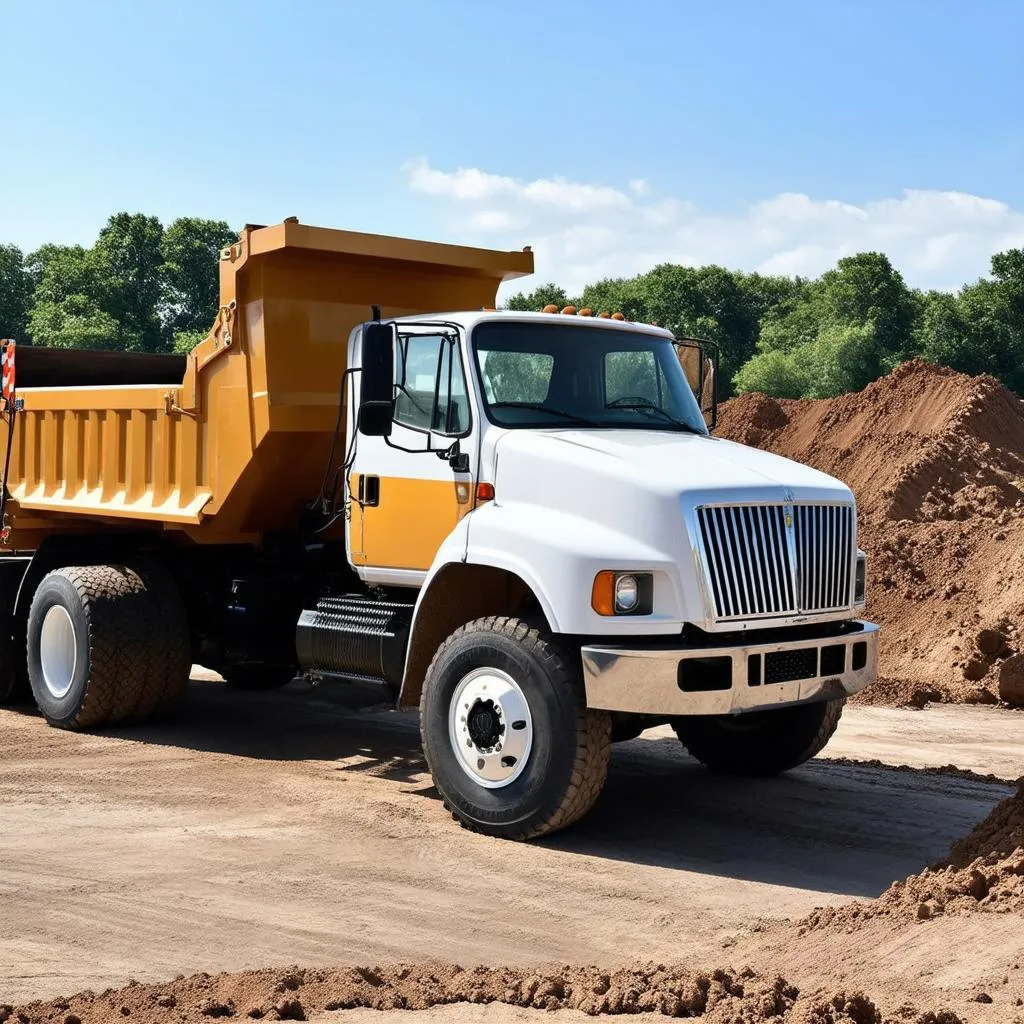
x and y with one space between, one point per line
760 742
512 748
106 644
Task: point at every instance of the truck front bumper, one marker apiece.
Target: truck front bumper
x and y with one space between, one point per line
726 678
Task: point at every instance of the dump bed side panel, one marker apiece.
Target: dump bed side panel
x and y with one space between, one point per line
235 445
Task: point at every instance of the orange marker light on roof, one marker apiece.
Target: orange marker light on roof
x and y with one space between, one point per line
586 312
550 308
569 311
604 315
618 316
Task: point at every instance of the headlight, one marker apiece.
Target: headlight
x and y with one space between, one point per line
860 580
623 593
627 594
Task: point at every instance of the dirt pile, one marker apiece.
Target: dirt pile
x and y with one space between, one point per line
721 997
983 872
936 461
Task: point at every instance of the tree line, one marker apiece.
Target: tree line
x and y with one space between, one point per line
140 287
795 337
144 287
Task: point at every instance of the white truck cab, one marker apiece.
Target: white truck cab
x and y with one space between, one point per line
584 559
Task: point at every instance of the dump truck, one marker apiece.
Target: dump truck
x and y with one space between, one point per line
521 524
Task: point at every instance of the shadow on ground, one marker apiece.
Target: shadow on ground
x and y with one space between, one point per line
827 826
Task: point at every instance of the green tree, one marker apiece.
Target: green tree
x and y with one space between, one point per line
185 341
71 301
76 322
190 251
128 255
980 329
776 373
843 358
535 301
15 294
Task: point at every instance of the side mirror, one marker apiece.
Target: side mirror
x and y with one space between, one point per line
377 380
699 360
709 388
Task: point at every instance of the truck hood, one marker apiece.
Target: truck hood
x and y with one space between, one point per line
693 467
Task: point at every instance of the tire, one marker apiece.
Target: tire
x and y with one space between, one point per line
626 726
107 644
760 742
562 747
255 675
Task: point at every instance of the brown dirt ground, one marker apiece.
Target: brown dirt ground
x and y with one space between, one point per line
936 461
983 873
717 997
927 923
294 828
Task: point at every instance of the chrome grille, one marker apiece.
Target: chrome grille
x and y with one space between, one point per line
756 567
824 551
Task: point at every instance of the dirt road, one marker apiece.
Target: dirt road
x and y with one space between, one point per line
293 828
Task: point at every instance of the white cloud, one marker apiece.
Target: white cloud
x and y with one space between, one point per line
581 231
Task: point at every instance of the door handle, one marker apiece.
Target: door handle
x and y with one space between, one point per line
369 490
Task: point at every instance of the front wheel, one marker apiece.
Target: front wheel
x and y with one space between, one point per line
760 742
512 748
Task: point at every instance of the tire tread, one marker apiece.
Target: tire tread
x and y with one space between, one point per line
745 757
593 729
138 639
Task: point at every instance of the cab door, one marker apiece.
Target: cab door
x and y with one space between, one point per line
405 498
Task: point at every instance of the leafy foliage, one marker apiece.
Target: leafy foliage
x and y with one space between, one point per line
794 337
139 287
190 250
144 287
539 298
15 292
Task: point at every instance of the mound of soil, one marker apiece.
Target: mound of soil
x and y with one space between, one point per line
721 997
936 461
983 872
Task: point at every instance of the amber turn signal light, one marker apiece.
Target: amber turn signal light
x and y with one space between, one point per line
623 593
602 596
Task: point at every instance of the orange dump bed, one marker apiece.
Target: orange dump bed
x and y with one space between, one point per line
229 442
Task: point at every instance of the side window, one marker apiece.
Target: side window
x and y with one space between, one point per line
517 376
632 375
431 385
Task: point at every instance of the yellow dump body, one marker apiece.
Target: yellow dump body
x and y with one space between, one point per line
234 446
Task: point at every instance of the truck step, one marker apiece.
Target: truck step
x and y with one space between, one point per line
354 635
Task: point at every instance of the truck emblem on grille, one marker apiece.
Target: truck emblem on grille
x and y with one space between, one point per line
789 519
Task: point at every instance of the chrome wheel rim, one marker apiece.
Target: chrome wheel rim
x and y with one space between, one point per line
490 727
58 651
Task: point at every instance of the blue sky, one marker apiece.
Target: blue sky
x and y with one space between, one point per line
608 136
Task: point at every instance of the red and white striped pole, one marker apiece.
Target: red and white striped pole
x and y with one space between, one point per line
7 364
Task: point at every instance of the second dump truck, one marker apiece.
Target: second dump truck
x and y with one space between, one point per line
518 522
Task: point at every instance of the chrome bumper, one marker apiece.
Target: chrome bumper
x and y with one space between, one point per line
723 680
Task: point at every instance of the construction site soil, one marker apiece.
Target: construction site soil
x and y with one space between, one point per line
719 997
935 459
293 828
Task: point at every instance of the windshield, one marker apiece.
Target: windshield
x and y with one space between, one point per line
546 375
